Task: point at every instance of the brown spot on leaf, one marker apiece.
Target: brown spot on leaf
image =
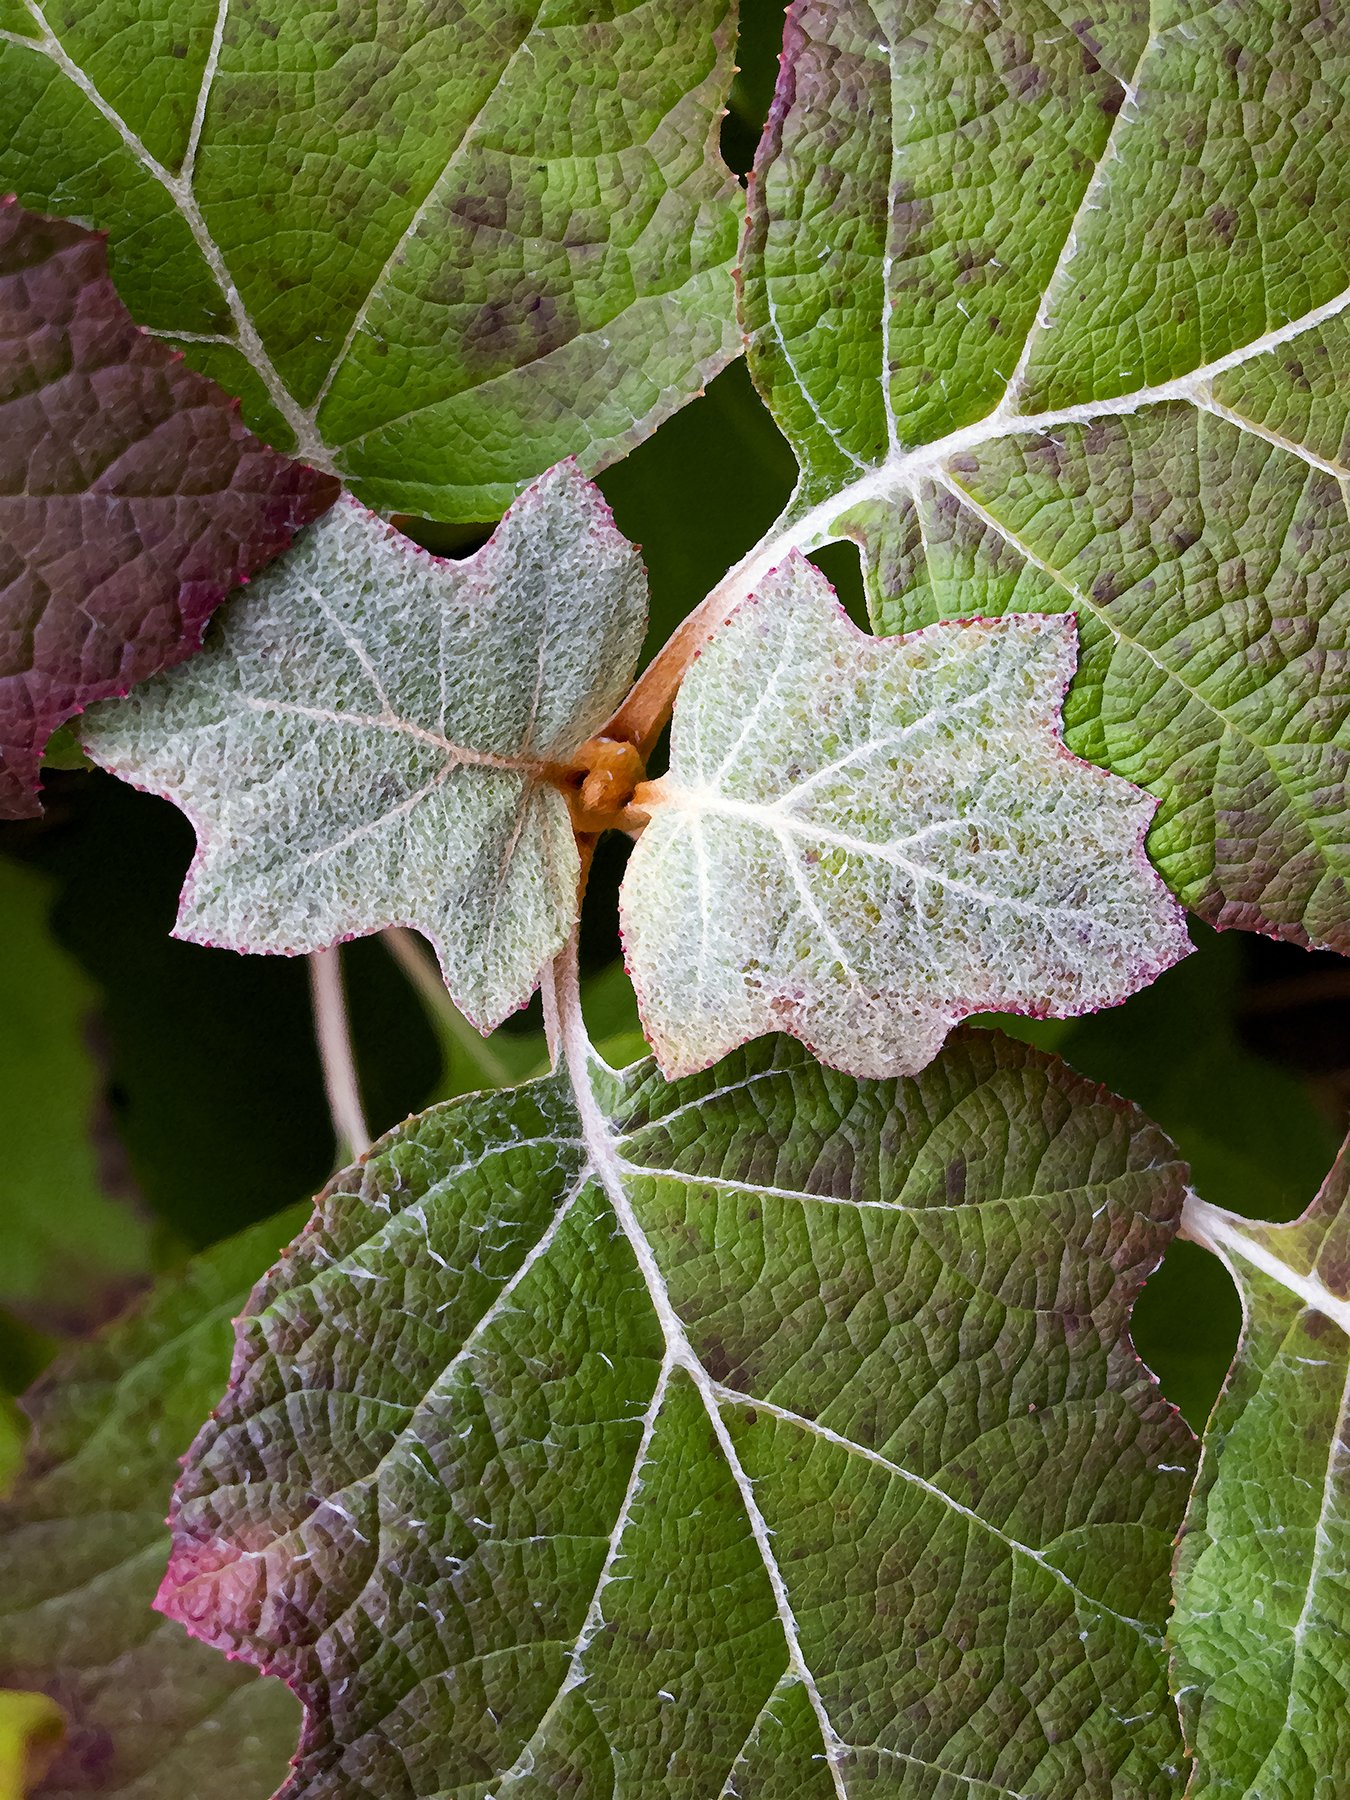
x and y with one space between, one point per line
1223 221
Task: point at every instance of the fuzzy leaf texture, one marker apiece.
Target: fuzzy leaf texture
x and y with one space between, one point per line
861 842
769 1433
390 767
1262 1624
435 248
131 497
1053 308
149 1715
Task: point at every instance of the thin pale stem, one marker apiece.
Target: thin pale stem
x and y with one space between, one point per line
417 963
335 1053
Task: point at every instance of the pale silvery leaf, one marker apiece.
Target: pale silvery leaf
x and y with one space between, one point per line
861 841
771 1434
1053 306
1262 1622
366 737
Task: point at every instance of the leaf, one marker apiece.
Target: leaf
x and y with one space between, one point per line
1054 319
148 1713
30 1734
131 498
434 248
861 842
1262 1623
1247 1128
73 1252
391 768
768 1433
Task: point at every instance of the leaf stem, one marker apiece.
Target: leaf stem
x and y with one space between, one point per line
333 1036
412 956
644 714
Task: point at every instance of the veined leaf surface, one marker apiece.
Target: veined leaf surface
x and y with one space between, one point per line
769 1433
365 739
1262 1622
131 498
435 248
149 1715
1053 308
863 841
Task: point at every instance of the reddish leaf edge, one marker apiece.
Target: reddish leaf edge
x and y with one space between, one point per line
1142 975
26 731
568 469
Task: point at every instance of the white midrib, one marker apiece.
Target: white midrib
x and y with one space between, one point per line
179 188
772 816
563 1001
1225 1234
903 472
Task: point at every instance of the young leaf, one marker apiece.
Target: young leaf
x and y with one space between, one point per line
1053 319
72 1254
435 248
131 498
82 1545
861 842
767 1433
1262 1623
390 767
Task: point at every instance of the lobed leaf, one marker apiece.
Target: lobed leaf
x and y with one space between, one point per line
391 767
1052 307
862 842
1261 1630
434 248
767 1433
131 498
149 1714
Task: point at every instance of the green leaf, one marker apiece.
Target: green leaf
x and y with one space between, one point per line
434 248
767 1433
1262 1623
862 842
1054 318
392 767
82 1546
31 1729
72 1252
1247 1128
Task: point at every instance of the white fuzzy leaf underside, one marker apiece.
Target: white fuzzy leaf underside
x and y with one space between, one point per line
862 841
362 742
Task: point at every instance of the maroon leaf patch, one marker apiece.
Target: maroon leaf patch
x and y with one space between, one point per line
132 499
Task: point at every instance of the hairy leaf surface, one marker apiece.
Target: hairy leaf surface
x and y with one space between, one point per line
1262 1623
861 842
366 738
435 248
1052 307
73 1254
131 498
769 1433
149 1714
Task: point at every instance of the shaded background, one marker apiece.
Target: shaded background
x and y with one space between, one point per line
160 1096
